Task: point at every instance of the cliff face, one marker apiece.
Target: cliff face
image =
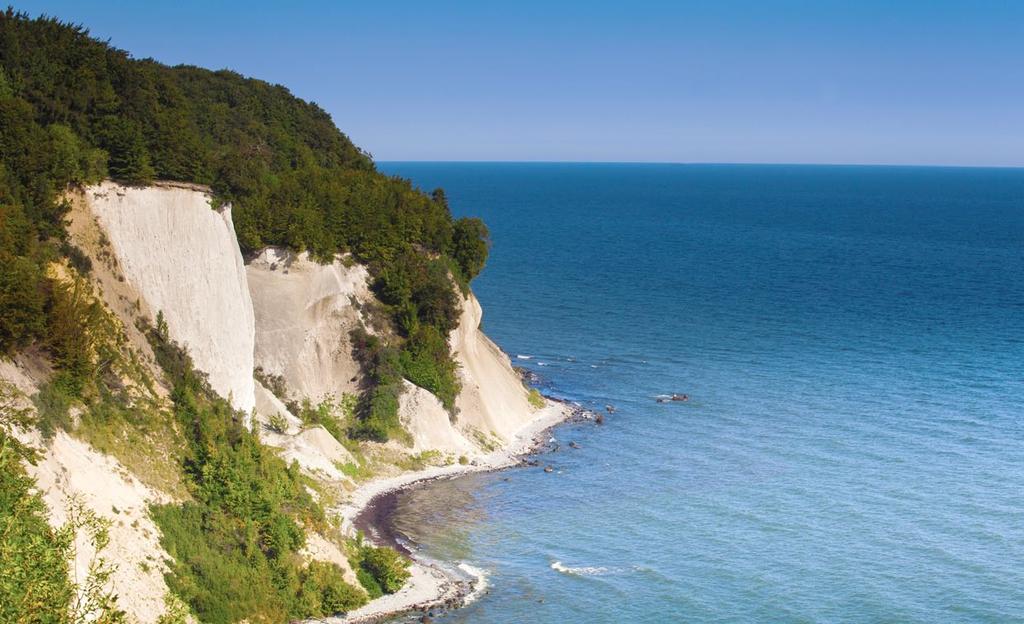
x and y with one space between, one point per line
493 399
284 318
304 312
182 259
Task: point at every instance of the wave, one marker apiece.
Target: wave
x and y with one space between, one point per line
524 357
480 583
580 571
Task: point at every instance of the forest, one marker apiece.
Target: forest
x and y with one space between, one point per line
74 110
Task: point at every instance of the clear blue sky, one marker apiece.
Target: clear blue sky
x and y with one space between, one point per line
834 82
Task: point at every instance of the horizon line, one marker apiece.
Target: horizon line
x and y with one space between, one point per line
691 163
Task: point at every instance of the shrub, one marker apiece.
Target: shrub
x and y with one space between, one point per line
370 584
426 361
175 611
380 569
324 591
52 403
387 567
325 414
277 423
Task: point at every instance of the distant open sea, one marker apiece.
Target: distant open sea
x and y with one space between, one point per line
852 340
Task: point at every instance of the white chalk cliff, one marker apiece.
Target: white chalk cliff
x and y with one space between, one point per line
181 256
493 399
304 312
287 315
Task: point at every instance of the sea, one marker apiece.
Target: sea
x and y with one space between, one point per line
851 340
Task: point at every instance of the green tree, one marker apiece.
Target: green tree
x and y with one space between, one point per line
470 240
21 303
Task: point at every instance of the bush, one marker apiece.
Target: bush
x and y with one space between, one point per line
380 417
387 567
426 361
324 591
370 584
277 423
380 570
33 574
326 414
52 403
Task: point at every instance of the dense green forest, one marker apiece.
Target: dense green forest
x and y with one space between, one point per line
74 110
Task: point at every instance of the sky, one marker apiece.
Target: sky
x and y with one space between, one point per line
926 83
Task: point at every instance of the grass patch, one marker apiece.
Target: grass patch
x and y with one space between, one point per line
535 398
421 460
355 471
142 436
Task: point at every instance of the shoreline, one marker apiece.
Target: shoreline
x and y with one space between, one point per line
430 585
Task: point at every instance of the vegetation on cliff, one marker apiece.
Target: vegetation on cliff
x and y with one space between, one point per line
235 544
34 557
74 109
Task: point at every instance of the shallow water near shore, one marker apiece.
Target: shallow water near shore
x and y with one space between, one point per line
852 340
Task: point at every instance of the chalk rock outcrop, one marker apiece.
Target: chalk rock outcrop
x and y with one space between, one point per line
429 424
493 398
304 312
182 258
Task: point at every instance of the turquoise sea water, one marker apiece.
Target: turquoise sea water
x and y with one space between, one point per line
852 339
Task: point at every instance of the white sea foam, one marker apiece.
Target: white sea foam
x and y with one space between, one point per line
524 357
480 583
579 571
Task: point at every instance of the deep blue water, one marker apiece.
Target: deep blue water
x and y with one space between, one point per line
853 342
